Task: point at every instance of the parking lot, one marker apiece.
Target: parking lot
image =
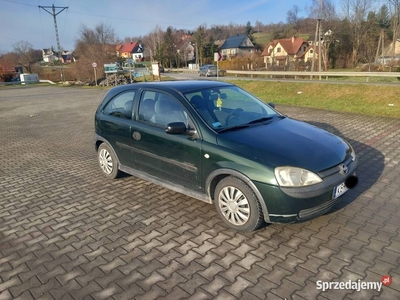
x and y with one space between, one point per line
68 233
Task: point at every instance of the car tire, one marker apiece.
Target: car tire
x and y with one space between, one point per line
237 205
108 162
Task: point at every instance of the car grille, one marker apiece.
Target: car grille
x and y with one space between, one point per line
318 210
335 169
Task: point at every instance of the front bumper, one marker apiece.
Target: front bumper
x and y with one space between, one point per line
289 205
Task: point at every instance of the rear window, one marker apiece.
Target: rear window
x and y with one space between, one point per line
212 67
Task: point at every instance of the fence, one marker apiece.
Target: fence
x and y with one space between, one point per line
306 75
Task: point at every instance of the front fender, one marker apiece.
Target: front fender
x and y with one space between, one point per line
213 179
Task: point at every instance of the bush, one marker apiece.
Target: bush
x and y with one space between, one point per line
253 62
371 68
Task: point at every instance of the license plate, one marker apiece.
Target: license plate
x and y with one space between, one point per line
340 190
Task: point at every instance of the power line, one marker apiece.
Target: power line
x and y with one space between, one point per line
110 17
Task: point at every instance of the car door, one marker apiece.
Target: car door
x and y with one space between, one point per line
115 125
170 157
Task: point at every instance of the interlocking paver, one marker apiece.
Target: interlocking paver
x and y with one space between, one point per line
39 291
108 292
232 272
87 290
174 280
262 288
286 289
191 285
68 233
215 285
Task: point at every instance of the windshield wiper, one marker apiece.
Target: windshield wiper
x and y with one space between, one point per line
233 128
263 119
260 120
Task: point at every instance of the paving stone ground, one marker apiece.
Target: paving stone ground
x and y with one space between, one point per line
68 233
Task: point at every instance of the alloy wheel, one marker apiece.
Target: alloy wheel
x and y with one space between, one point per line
234 205
106 162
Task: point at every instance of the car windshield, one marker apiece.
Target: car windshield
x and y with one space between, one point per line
230 107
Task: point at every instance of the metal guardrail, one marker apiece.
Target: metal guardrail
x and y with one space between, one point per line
314 74
296 74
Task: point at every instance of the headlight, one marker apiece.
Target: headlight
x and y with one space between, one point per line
295 177
352 153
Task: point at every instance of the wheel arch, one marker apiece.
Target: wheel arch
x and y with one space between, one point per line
218 175
99 140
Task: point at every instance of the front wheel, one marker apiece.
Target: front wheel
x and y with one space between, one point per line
237 205
108 162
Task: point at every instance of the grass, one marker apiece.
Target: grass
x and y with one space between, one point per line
363 99
262 38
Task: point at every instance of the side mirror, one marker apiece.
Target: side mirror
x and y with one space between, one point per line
176 128
272 104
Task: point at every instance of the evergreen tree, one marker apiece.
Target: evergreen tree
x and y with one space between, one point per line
250 31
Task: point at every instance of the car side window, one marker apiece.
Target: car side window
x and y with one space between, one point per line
121 105
146 105
160 109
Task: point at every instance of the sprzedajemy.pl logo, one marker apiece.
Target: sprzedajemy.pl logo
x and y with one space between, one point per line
354 285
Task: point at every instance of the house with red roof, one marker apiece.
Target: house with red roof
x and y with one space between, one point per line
309 54
133 50
282 52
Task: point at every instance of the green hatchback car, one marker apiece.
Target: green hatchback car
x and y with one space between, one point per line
215 142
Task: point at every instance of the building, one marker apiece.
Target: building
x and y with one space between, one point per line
238 45
282 52
49 55
186 51
133 50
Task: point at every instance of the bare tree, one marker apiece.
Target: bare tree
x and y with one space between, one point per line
326 12
26 56
95 45
292 16
258 25
153 42
356 12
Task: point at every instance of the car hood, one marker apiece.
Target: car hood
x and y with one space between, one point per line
287 142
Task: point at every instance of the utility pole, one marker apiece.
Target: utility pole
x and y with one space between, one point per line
381 46
54 14
319 50
317 36
315 46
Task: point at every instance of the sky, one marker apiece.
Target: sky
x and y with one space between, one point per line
23 20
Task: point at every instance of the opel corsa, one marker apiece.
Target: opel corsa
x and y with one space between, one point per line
215 142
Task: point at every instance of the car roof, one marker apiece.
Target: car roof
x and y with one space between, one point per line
182 86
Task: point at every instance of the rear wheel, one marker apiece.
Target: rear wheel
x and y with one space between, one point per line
237 205
108 162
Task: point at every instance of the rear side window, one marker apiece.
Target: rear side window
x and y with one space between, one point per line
121 105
